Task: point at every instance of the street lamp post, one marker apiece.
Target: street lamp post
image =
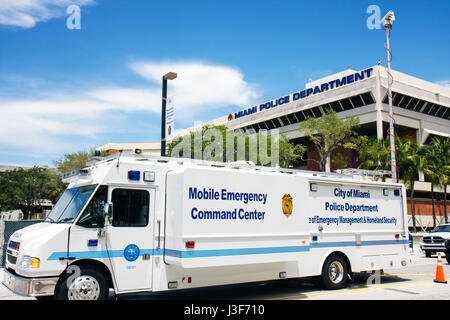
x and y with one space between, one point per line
387 22
167 76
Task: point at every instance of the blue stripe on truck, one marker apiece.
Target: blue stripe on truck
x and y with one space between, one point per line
98 254
234 252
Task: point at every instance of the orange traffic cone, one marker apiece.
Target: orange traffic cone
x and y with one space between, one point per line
440 278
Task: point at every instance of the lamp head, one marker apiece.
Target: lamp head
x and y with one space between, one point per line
170 76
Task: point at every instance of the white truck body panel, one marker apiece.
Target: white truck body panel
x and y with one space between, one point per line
247 224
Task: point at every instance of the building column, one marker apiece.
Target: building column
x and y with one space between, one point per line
328 164
419 137
379 125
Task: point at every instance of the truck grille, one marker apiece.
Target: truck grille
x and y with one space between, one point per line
12 251
11 259
14 245
433 240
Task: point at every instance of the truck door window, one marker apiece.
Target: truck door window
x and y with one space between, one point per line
130 207
93 216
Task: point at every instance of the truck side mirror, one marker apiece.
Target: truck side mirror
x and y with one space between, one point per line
108 213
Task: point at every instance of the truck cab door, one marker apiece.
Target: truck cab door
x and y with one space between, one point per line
129 237
84 240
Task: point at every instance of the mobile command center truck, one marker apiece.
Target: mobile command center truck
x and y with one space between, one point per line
135 223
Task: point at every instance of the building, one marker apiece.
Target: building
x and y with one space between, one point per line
10 167
421 111
11 215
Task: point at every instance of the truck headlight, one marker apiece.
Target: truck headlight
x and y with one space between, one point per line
30 262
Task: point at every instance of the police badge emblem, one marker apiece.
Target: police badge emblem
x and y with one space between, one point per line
286 205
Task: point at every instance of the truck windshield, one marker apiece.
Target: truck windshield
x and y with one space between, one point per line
70 204
444 228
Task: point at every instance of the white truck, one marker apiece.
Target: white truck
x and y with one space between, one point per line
436 241
135 223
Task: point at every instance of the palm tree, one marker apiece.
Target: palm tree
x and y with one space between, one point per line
445 182
442 149
374 154
431 170
411 161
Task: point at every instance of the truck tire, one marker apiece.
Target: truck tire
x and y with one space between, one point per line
447 256
89 283
334 272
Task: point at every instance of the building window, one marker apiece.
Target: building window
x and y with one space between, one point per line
367 97
417 105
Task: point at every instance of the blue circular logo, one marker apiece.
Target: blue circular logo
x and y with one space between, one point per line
131 252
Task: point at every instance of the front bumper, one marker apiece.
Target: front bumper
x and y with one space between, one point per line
31 287
432 247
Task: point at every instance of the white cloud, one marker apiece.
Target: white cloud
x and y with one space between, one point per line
200 84
26 13
129 99
59 121
44 126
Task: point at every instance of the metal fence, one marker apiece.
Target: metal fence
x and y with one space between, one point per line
7 228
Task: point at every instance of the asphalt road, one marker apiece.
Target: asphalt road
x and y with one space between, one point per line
412 282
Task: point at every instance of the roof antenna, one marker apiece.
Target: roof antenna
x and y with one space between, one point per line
118 159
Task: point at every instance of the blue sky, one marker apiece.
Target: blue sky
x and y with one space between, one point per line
63 91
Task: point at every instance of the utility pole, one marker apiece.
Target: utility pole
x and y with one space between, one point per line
387 22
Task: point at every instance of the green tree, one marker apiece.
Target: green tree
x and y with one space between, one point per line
220 144
24 189
195 144
328 133
431 170
74 161
444 151
374 154
289 151
410 162
441 150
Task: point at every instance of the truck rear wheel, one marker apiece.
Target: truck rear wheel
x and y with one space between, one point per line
88 283
334 272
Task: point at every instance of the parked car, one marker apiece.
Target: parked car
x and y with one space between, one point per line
435 241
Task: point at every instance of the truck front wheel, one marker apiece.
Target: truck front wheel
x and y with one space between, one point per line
82 283
334 272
